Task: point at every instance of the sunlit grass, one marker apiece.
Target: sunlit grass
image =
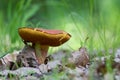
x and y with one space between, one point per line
16 16
101 29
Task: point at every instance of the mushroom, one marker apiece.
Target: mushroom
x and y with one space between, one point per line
41 39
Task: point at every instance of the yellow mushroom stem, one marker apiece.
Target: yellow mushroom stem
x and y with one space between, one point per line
41 52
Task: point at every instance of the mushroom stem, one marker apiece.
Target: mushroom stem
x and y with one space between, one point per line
41 52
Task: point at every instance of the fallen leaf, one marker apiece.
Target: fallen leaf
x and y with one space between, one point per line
79 57
25 58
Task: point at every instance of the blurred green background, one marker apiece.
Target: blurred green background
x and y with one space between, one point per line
97 20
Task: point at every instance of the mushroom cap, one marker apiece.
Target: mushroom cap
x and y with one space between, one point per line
44 36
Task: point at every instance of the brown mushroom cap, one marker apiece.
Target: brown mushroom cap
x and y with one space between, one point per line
44 36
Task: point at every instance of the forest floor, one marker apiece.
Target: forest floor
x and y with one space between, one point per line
61 65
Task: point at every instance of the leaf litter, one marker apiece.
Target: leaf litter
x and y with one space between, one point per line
77 65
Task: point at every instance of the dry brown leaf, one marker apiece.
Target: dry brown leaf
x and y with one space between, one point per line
79 58
26 58
8 58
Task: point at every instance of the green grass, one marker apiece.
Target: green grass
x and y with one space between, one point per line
11 18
